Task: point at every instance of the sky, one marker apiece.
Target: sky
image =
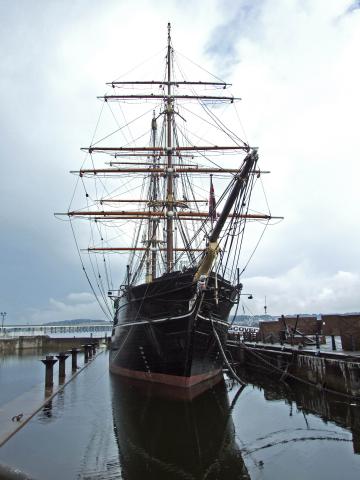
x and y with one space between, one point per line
294 64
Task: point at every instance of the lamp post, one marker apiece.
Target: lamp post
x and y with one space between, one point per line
3 314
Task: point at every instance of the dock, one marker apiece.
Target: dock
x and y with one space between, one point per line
323 353
15 414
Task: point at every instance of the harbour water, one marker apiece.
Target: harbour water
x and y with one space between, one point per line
102 427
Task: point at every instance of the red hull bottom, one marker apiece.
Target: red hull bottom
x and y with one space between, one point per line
169 391
174 380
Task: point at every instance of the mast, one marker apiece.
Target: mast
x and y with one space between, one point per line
164 218
170 179
154 198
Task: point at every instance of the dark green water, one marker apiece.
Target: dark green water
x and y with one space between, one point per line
101 427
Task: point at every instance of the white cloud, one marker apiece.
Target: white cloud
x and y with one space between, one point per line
74 306
304 290
299 77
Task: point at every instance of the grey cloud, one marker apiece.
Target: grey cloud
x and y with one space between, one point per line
241 22
37 254
43 109
353 6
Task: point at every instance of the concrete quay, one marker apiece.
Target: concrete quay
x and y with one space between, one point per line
15 345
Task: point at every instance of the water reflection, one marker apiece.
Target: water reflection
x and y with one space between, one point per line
167 436
340 410
47 411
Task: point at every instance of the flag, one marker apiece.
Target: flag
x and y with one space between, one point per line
212 202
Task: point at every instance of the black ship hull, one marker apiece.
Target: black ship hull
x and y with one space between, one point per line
164 331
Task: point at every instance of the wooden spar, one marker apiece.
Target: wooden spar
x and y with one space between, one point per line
173 83
157 164
140 249
106 98
165 170
238 188
146 155
147 214
192 166
151 202
105 200
163 151
197 219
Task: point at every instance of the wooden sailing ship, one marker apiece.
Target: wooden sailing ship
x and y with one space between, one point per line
182 278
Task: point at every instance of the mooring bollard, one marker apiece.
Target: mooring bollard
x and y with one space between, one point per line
49 363
333 344
74 351
86 353
62 358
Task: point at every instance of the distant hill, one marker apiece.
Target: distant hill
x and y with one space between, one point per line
252 320
79 321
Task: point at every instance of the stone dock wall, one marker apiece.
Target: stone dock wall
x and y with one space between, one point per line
335 372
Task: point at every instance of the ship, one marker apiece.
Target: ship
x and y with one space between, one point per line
182 279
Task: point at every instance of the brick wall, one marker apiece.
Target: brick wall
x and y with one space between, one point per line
306 325
330 324
347 326
270 328
350 332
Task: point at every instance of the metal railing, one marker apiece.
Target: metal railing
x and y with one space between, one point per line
36 330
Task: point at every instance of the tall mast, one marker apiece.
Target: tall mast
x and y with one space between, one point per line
151 241
162 206
154 196
170 186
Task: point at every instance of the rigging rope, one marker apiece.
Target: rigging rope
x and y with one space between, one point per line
87 276
224 356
